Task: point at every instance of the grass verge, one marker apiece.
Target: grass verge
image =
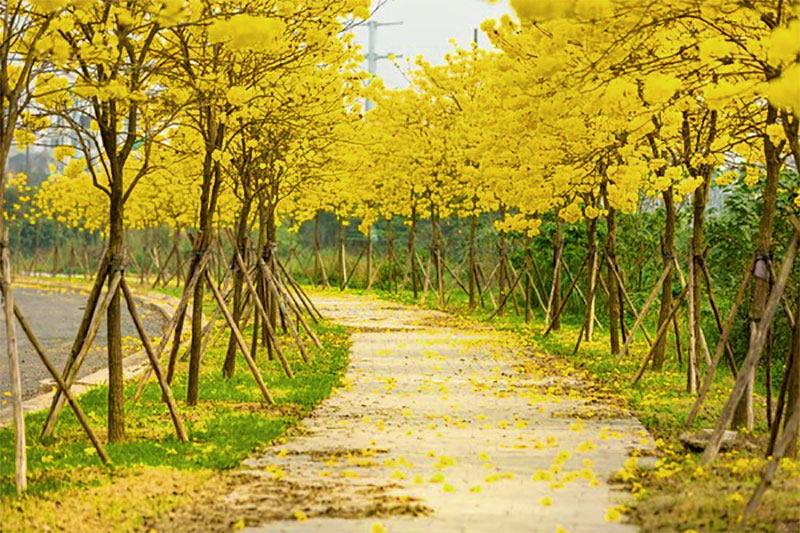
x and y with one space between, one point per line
152 471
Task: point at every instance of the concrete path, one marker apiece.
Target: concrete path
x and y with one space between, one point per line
443 427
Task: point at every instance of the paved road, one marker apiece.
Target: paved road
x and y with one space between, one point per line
439 428
54 316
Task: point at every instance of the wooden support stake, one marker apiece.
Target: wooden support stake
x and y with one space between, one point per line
769 472
564 300
239 339
507 295
643 313
273 287
177 317
180 431
80 339
302 296
73 402
264 315
718 319
754 351
659 334
71 376
21 460
617 275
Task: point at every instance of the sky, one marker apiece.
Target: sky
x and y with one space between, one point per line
428 26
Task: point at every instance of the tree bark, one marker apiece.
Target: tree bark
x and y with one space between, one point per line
342 241
229 367
116 250
793 385
591 290
613 306
555 289
744 415
473 232
412 251
208 202
667 253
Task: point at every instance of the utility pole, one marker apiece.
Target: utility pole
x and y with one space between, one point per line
372 54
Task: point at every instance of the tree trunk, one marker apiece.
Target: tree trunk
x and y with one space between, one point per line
412 251
793 383
591 238
744 415
697 245
368 283
502 273
528 267
229 367
208 201
318 262
342 241
178 257
21 461
116 250
555 290
667 253
613 306
391 255
473 232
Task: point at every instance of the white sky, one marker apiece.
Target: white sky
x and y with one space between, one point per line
428 26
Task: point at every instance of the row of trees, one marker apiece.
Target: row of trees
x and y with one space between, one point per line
226 118
586 109
177 113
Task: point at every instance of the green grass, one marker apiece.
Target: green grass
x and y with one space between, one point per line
229 423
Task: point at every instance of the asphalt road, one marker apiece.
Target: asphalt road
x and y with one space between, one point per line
54 317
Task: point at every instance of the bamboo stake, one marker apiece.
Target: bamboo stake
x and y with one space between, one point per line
723 340
72 375
239 339
73 402
640 318
21 461
274 338
148 348
177 317
754 350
